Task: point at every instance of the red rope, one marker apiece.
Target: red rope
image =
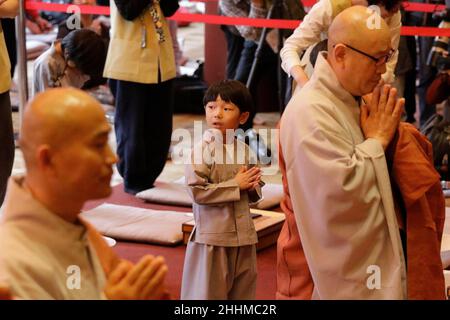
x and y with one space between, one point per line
270 23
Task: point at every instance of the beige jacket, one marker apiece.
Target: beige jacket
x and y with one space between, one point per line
341 194
5 66
221 210
128 61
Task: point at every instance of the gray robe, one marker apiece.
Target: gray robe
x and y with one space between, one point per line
220 260
43 256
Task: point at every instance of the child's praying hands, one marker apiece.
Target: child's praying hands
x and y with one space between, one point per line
248 178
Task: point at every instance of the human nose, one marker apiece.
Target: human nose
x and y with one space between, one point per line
111 157
218 112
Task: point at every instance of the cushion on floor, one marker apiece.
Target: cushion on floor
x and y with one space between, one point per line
138 224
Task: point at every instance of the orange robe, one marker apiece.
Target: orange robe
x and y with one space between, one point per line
294 280
418 183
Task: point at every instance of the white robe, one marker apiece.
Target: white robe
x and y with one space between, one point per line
341 194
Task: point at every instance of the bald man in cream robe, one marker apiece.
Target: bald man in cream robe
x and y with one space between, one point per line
46 250
336 168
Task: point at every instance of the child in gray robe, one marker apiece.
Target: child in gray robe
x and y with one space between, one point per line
222 180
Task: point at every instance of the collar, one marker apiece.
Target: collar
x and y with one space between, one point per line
22 207
325 77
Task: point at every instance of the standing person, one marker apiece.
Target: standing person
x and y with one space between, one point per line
316 24
336 171
8 9
220 260
141 64
242 42
9 32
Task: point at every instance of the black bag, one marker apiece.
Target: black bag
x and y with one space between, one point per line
189 91
437 130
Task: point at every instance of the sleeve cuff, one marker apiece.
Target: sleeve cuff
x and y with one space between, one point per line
371 148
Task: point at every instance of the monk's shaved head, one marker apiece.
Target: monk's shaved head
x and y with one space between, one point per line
359 27
64 140
359 45
56 117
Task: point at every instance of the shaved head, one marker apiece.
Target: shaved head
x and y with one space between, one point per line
360 27
55 118
359 44
64 140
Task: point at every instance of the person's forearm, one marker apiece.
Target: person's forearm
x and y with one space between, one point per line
214 193
9 9
299 75
306 34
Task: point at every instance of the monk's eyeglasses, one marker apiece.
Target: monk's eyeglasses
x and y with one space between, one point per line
378 61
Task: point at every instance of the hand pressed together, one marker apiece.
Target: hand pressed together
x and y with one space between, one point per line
381 116
143 281
248 178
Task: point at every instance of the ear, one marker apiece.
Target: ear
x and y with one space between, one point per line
71 64
44 157
244 117
339 53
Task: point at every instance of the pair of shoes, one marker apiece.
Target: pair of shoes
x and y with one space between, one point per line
256 144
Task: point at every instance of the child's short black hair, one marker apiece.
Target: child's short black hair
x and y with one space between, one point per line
387 4
230 91
87 50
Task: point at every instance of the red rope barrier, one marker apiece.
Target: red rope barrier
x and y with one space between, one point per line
216 19
408 6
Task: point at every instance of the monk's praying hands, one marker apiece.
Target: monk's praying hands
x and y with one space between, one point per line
143 281
380 118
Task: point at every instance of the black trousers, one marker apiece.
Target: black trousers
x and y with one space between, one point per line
143 125
235 44
6 143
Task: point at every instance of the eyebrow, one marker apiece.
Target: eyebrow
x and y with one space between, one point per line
101 133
